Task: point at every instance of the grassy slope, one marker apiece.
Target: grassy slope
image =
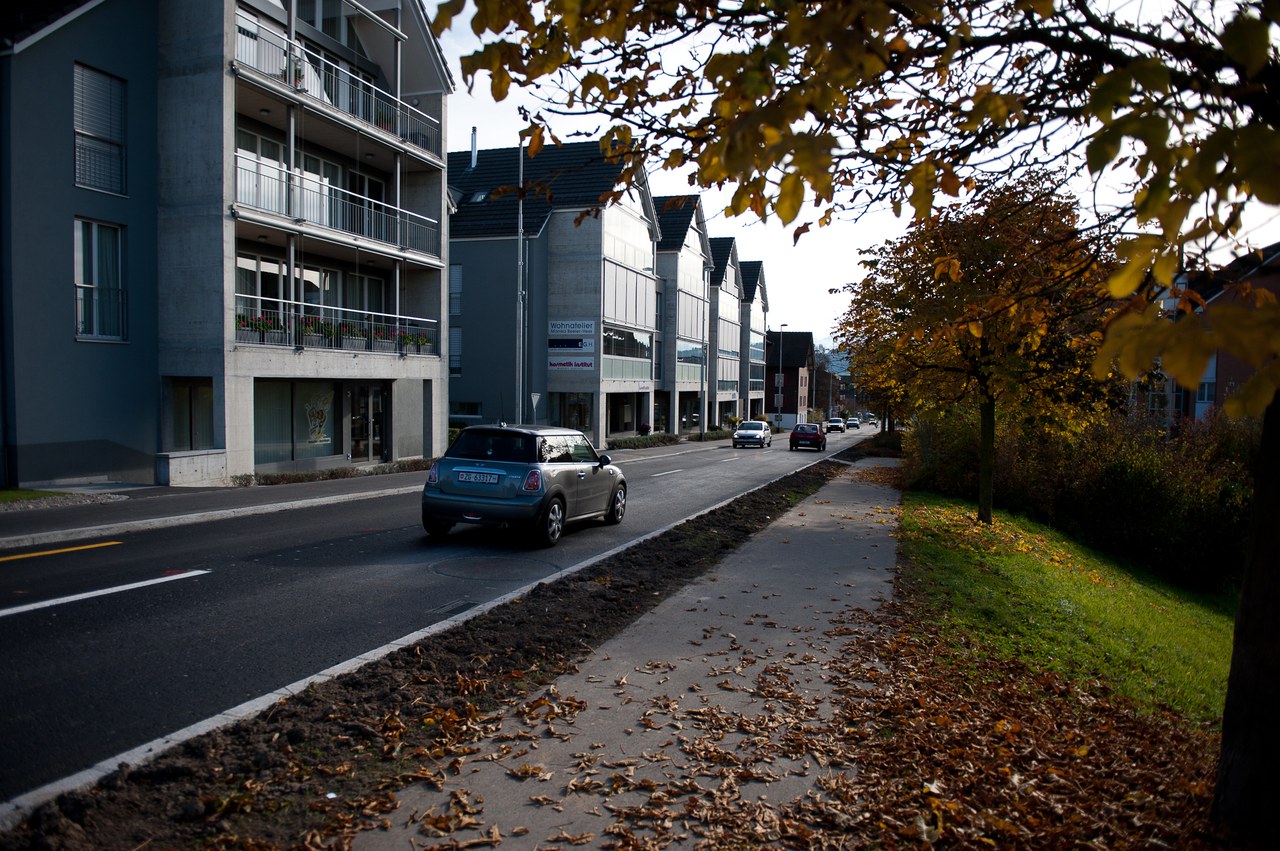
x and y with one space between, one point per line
1031 593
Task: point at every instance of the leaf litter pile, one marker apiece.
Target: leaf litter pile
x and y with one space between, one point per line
869 730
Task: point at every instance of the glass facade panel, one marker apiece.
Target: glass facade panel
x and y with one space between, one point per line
294 420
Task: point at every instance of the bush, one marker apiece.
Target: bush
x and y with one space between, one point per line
644 441
1177 503
713 434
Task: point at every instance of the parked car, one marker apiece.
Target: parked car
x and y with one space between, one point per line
808 434
535 476
752 433
835 424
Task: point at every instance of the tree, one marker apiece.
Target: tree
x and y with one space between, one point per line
846 104
991 301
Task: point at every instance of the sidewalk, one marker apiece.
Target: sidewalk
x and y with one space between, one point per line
159 507
711 707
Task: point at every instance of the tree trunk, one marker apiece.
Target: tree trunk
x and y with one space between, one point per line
1244 796
986 457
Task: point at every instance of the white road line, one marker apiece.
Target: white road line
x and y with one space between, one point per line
730 458
31 607
669 472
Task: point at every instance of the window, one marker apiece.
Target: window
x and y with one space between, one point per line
455 350
455 290
98 103
621 342
100 295
1207 391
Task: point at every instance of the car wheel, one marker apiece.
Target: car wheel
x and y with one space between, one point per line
617 506
436 528
550 525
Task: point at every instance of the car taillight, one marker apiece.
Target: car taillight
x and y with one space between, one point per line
532 482
433 475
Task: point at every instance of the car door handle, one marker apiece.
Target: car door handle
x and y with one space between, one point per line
582 474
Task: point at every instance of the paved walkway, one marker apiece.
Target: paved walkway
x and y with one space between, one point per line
712 707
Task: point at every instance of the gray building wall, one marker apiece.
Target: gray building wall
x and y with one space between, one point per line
77 410
71 404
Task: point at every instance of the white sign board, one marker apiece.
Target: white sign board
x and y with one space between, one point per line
571 328
570 362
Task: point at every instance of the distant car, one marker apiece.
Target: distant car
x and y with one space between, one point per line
808 434
752 433
835 424
853 422
535 476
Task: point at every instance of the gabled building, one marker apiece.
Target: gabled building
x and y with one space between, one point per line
222 238
553 295
789 354
1225 373
725 322
754 319
684 270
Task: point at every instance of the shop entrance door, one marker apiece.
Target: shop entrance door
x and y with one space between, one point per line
367 424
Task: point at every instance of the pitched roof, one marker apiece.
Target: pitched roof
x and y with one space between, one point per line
751 272
721 253
574 175
675 215
797 346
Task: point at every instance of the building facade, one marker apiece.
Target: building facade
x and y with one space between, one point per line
554 295
237 264
684 269
754 319
725 322
790 355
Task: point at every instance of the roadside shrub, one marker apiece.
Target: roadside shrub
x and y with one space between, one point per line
713 434
1176 503
644 441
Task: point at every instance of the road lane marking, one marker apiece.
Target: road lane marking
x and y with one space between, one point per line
44 604
63 550
669 472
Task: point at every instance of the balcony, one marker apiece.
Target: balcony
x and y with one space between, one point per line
276 322
271 188
308 74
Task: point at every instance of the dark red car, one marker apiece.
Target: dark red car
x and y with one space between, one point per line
809 435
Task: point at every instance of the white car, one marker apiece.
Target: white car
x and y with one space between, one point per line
752 433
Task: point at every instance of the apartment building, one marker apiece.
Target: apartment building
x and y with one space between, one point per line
725 323
684 269
753 318
554 300
789 355
224 239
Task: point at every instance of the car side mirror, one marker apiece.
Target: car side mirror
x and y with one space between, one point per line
605 459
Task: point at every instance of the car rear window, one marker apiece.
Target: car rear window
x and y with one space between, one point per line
493 445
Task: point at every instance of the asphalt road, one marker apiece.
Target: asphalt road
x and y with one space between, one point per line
216 614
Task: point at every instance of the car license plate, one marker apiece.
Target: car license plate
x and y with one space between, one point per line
478 478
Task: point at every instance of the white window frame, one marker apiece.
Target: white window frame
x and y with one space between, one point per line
100 296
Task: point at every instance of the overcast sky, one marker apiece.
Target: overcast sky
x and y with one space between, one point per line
798 278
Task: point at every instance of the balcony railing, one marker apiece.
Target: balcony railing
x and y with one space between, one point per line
303 197
102 313
276 322
315 77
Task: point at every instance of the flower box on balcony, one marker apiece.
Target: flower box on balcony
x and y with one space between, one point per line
248 335
275 338
315 341
384 345
355 343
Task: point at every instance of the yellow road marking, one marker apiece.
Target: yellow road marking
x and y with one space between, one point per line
64 550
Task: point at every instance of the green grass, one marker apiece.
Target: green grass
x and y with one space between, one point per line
16 495
1031 593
